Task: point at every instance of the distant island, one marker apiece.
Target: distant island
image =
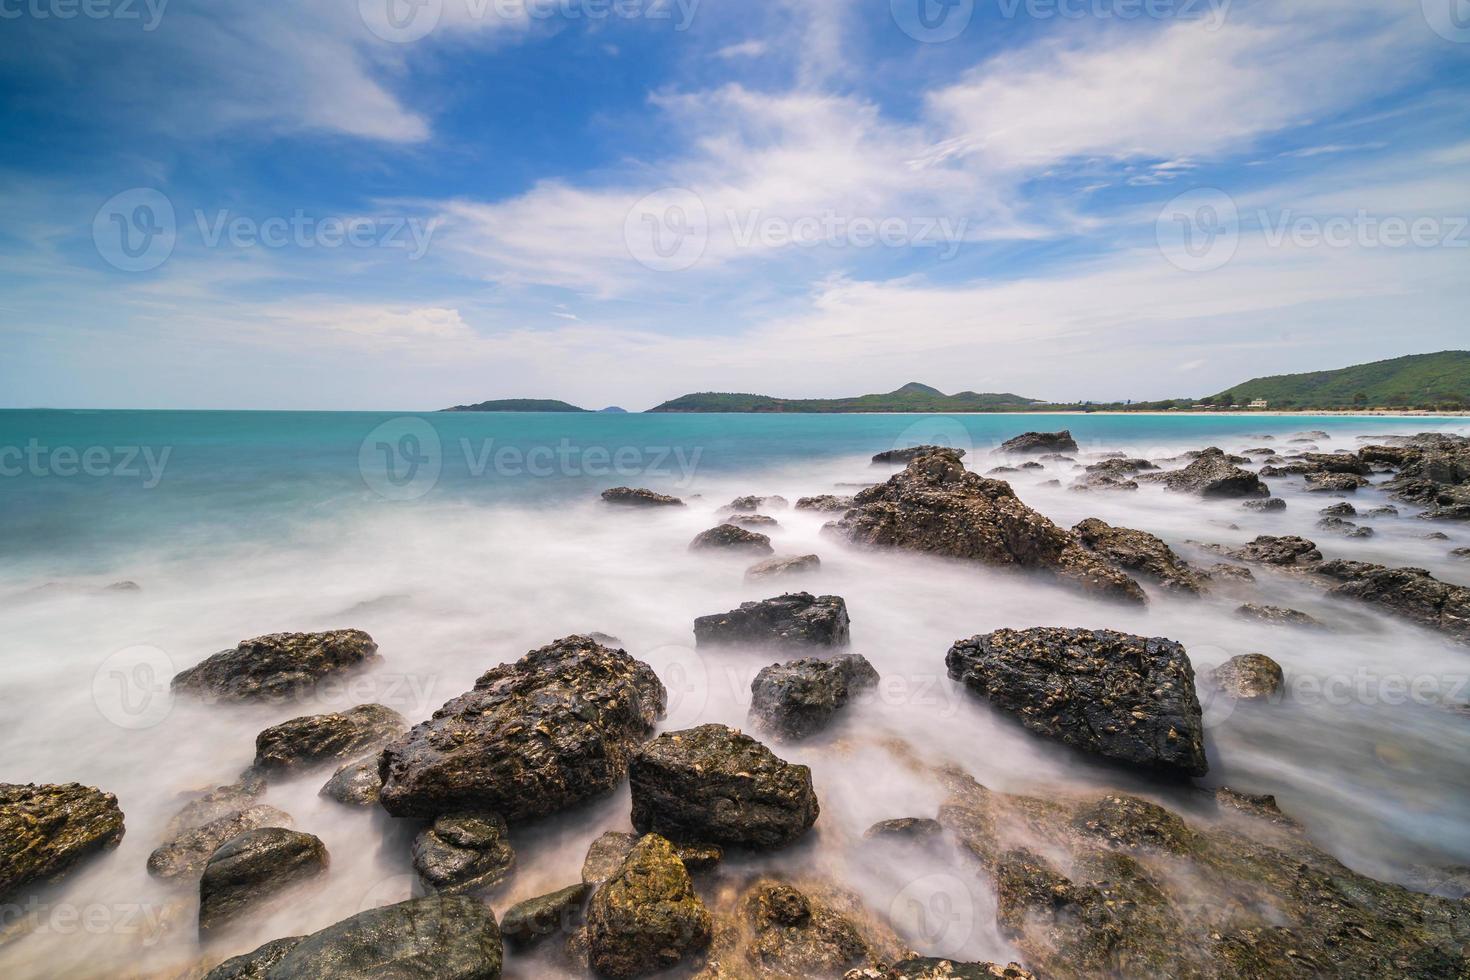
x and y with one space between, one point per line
518 405
912 397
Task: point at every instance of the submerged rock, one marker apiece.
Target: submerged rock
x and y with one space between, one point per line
906 829
1334 482
753 520
639 497
797 619
935 506
355 784
607 853
1285 552
303 743
824 502
187 852
646 918
1126 698
533 738
728 537
560 913
277 666
1277 616
1268 505
753 503
715 785
251 867
908 455
255 965
463 853
1040 442
1250 676
1213 474
47 830
1139 551
783 566
800 698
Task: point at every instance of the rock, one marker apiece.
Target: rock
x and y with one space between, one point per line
255 965
906 456
1460 553
1121 467
1277 616
1247 677
304 743
47 830
280 666
560 913
1412 593
1001 470
797 619
1269 504
1343 509
936 507
753 503
1435 536
355 784
728 537
1212 474
824 502
1126 698
1388 510
607 853
800 698
1334 482
646 918
1032 465
715 785
1283 552
783 566
639 497
1139 551
1040 442
187 853
1337 463
753 520
222 801
1102 481
463 853
908 830
1339 525
929 968
1235 573
253 866
564 719
444 937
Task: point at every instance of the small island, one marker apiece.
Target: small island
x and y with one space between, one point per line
518 405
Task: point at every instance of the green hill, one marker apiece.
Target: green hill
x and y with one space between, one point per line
913 397
1418 381
518 405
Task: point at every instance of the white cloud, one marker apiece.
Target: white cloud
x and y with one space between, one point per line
744 49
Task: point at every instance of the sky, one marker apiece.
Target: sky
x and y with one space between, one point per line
410 204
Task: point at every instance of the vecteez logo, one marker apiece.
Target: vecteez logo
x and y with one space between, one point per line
668 230
135 231
401 459
932 21
1199 231
400 21
1450 19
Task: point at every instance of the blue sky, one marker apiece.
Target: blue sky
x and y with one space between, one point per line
350 205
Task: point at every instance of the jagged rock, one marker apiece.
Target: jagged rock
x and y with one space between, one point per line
1040 442
1337 524
646 918
560 913
930 968
1250 676
1139 551
1237 573
1409 592
748 521
1102 481
905 829
1212 474
444 937
639 497
908 455
715 785
47 830
563 719
935 506
1267 505
1334 482
355 784
1121 467
188 851
607 852
783 566
279 666
824 502
1338 463
463 853
303 743
728 537
797 619
753 503
253 866
1284 552
1001 470
1122 697
1388 510
800 698
1032 465
1277 616
1343 509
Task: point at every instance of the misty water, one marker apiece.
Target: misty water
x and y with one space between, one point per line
462 542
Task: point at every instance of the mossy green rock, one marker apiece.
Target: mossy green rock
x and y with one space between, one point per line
646 918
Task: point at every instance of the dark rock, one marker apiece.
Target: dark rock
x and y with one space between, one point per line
1343 509
46 830
188 851
304 743
1238 573
355 784
253 866
753 520
1212 474
533 738
906 456
1126 698
799 698
1248 677
905 829
646 918
560 913
1460 553
1139 551
753 503
608 852
1338 463
1435 536
935 506
1361 532
1121 467
1056 458
1409 592
1283 552
715 785
277 667
728 537
463 853
255 965
1339 525
1102 481
1040 442
1277 616
783 566
1386 511
930 968
1266 505
639 497
1033 465
1334 482
222 801
797 619
824 502
1001 470
444 937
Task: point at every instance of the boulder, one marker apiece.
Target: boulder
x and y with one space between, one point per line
463 853
824 502
906 456
558 914
1040 442
931 968
187 852
314 740
1412 593
797 619
1337 463
47 830
1212 474
533 738
1284 552
444 937
935 506
1266 505
1334 482
1126 698
255 965
728 537
1277 616
1248 677
1090 482
752 503
783 566
748 521
1139 551
355 784
646 918
251 867
1120 467
799 698
1342 509
607 853
715 785
639 497
280 666
1233 573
